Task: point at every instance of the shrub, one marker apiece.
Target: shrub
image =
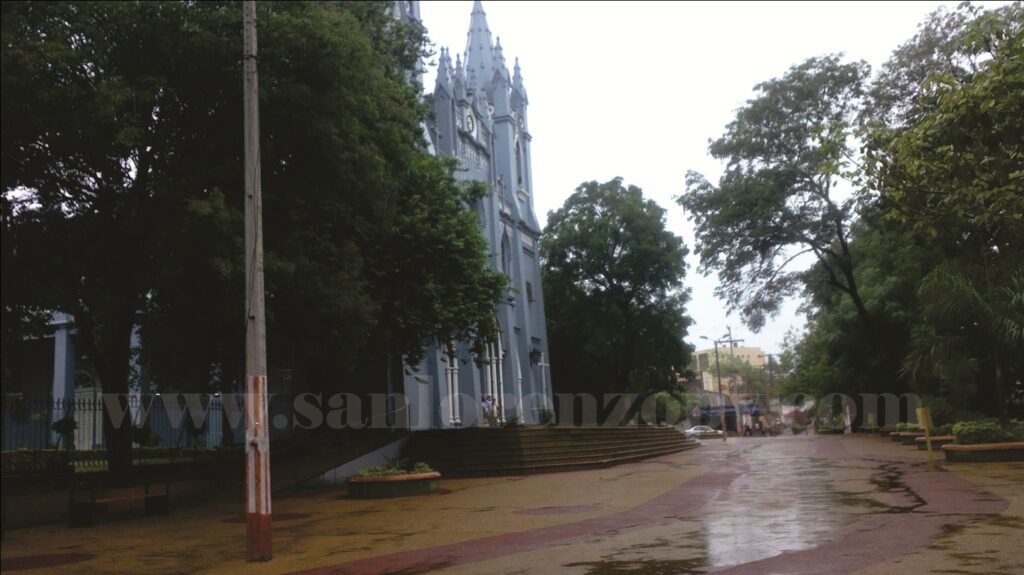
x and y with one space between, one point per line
393 467
512 421
35 460
986 431
545 416
65 427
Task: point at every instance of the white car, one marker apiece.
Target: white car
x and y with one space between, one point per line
702 432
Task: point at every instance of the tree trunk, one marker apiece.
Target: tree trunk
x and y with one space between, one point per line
113 354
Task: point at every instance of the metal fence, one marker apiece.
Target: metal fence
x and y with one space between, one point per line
171 421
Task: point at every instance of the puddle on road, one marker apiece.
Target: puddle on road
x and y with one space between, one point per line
783 503
645 567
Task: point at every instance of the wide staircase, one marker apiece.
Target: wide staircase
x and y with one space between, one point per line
474 452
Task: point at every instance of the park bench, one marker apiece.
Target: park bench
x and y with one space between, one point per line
90 504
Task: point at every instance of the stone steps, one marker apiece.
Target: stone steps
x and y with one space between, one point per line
518 451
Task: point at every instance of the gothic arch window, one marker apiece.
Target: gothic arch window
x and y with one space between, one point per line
506 256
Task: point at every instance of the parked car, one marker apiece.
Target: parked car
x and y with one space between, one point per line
702 432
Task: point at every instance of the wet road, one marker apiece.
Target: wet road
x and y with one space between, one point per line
785 505
780 506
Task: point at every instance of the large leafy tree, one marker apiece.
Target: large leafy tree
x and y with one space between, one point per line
122 165
786 154
937 244
955 173
613 279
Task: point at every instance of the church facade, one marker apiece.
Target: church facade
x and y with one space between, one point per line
480 119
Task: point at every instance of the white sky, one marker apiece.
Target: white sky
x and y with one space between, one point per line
636 90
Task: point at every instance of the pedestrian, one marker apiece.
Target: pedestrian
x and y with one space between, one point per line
489 410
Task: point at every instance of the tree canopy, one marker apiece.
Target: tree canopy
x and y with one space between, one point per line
122 191
785 154
937 246
613 281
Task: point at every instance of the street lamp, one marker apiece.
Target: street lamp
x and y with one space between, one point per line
721 397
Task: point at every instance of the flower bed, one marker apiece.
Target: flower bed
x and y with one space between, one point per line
984 452
380 486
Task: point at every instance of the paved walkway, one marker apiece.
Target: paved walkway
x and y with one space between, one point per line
842 505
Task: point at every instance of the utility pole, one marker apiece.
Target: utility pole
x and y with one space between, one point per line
257 446
732 381
721 398
771 378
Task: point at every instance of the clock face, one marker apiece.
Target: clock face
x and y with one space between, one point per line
470 124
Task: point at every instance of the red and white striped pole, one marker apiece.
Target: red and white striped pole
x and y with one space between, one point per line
257 470
257 434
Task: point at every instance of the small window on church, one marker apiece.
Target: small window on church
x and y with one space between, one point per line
519 163
529 292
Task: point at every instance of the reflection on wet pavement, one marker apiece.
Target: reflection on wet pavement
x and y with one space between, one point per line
782 500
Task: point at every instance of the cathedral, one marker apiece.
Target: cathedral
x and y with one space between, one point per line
480 118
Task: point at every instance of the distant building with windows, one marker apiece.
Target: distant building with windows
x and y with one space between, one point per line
704 365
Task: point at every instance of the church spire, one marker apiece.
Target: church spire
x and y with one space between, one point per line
459 84
517 82
499 61
479 48
444 70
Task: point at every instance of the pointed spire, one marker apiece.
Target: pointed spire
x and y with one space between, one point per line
479 47
459 89
517 80
444 72
499 61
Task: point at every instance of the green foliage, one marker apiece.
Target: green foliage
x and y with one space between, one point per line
35 460
65 427
122 192
936 252
512 421
613 283
987 431
952 172
545 416
144 436
393 467
785 153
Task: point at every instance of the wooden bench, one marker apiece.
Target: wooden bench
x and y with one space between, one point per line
85 511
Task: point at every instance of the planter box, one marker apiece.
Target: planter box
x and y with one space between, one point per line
910 437
831 431
984 452
897 436
393 485
937 441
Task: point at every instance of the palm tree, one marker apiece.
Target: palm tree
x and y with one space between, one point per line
969 332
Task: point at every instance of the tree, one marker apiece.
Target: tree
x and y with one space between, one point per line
613 279
122 163
786 152
954 173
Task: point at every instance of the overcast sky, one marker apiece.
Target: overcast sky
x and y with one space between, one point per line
636 90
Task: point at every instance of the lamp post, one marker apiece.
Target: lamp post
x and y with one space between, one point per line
721 398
